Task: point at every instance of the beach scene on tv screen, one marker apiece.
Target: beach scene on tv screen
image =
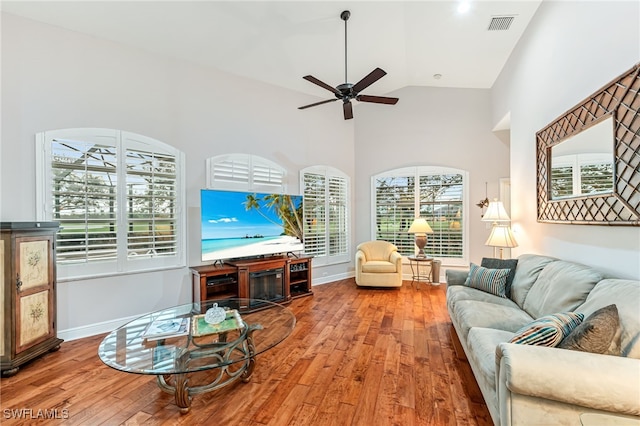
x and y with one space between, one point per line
243 224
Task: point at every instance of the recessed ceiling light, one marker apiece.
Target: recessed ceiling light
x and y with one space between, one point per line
463 7
437 76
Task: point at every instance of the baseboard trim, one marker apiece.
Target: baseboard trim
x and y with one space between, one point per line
331 278
108 326
93 329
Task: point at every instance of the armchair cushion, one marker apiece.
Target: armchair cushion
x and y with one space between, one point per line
378 266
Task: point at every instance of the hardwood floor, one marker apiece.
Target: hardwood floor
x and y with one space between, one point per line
356 357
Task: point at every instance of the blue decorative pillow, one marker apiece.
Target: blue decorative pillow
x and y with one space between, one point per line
548 330
492 263
492 281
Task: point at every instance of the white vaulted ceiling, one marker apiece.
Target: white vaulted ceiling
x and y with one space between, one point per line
280 42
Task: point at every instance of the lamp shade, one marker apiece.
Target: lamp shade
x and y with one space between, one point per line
496 212
501 236
420 226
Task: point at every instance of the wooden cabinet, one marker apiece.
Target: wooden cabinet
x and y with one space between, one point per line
214 282
299 281
277 278
27 293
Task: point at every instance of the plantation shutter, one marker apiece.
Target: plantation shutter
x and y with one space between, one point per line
151 204
326 214
441 204
337 190
230 170
561 181
596 178
84 200
245 172
395 211
315 235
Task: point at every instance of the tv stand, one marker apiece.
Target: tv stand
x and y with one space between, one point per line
232 278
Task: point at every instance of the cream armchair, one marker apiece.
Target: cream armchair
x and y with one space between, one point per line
378 264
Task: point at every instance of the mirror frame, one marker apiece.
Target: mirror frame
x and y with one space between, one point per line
621 99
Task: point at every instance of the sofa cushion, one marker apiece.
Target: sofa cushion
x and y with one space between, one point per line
378 266
470 313
625 294
529 267
493 281
548 330
459 292
510 264
561 286
596 333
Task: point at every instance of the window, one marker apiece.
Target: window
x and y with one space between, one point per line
118 199
245 172
326 231
435 193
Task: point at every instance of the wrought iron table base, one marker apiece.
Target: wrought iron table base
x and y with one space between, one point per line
178 384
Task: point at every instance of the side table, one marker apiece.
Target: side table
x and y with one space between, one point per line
420 268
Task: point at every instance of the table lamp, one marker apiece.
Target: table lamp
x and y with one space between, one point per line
420 227
496 212
501 236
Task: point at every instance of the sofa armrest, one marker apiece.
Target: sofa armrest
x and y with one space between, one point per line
456 276
585 379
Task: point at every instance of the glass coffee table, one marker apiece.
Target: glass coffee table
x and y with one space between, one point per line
228 348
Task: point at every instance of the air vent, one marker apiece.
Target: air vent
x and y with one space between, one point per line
500 23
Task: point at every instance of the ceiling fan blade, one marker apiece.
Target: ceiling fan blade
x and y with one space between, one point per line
373 76
377 99
322 84
318 103
348 110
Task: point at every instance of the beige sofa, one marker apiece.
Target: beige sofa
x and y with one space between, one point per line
378 264
535 385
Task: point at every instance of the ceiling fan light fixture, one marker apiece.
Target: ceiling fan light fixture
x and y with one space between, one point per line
347 91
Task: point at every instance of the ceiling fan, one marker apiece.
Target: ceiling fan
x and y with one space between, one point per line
347 91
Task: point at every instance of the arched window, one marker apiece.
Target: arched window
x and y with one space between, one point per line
118 197
438 194
326 214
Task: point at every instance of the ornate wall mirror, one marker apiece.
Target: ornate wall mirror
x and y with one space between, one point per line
588 159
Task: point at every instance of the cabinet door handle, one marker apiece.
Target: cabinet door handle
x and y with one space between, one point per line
18 283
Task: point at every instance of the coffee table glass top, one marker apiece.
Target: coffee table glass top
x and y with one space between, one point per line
250 322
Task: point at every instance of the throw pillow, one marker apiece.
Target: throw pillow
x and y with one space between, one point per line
596 333
493 281
548 330
491 263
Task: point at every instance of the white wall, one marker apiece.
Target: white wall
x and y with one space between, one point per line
431 126
570 50
54 78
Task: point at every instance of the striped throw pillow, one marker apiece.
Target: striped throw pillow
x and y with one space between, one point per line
493 281
548 330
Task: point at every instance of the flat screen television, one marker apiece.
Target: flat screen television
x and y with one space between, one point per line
248 224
